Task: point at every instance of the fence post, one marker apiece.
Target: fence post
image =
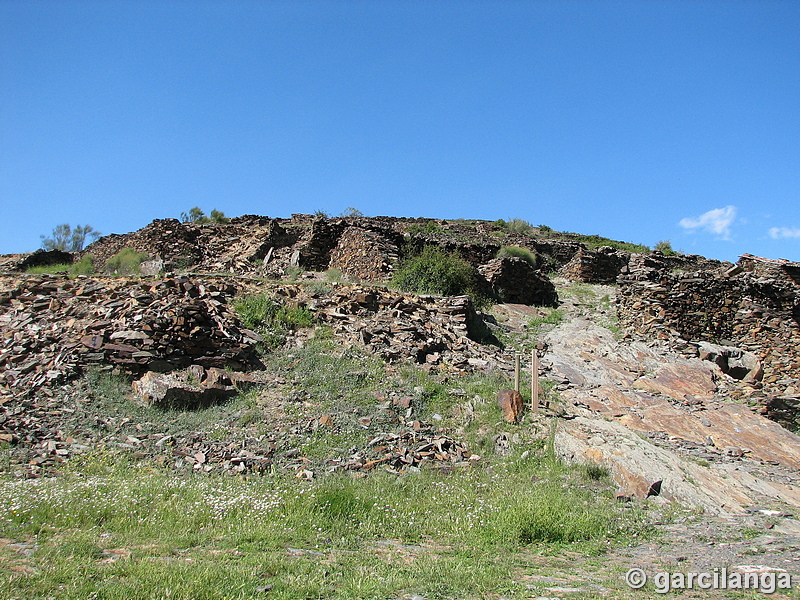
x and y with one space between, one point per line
534 381
516 372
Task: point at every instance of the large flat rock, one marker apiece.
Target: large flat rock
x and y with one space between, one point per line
712 452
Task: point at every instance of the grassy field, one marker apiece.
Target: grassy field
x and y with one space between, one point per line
112 529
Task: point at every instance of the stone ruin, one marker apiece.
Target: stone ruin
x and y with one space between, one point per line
731 316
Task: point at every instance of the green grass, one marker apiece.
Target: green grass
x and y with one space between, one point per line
49 269
553 317
83 267
127 532
596 241
430 227
126 262
271 319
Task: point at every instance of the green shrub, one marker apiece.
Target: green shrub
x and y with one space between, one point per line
665 247
270 319
433 271
546 229
518 226
333 275
196 215
85 266
431 227
293 272
125 262
595 472
351 211
515 251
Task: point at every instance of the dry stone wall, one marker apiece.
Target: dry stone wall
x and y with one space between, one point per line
596 266
513 280
364 255
758 314
53 329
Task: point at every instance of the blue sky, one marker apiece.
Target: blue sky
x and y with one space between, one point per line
641 121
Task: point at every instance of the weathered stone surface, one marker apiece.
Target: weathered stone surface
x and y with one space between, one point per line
646 413
180 390
636 464
513 280
748 323
686 378
511 405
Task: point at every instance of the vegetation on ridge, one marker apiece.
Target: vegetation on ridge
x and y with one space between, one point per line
67 239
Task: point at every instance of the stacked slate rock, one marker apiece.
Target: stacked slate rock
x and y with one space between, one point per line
514 280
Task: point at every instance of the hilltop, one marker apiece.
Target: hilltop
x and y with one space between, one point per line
248 350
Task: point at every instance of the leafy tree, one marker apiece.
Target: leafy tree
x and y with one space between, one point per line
217 216
351 211
195 215
65 238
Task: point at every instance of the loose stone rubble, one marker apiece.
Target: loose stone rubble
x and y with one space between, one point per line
408 450
54 328
433 331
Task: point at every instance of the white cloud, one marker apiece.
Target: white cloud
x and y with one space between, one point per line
777 233
716 221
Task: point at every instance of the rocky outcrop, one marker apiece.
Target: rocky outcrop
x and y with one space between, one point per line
649 415
190 389
511 405
514 280
755 316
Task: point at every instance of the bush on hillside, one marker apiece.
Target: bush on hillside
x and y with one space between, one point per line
665 247
434 271
270 319
125 262
85 266
518 226
517 252
196 215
